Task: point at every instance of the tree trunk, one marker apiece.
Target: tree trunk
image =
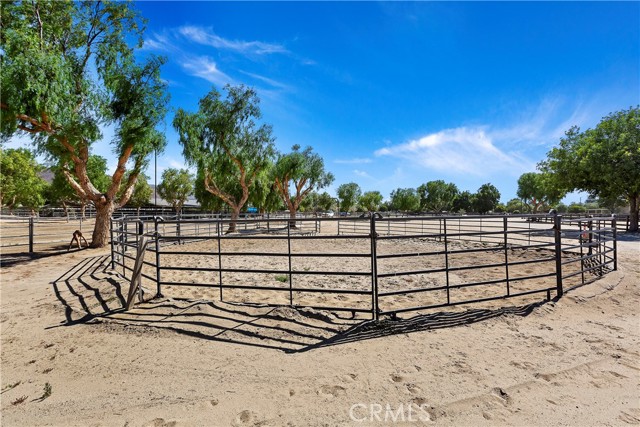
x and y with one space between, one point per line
633 211
100 237
292 216
235 214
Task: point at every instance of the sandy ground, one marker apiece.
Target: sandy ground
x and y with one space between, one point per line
177 361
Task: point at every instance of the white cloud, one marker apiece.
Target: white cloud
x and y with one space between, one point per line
205 68
354 161
266 80
461 150
207 37
362 174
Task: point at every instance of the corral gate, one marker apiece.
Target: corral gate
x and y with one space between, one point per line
406 264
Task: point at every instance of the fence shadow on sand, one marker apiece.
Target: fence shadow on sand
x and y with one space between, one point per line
90 293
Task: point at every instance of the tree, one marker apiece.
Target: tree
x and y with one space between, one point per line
516 206
141 193
349 195
325 201
437 196
604 161
61 192
405 200
67 68
538 191
300 172
224 141
20 182
176 187
463 202
370 201
486 198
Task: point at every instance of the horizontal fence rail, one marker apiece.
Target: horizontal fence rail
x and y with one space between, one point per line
368 263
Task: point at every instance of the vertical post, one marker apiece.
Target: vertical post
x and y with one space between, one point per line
157 237
219 231
506 253
290 274
446 260
113 265
581 240
615 243
374 269
558 240
31 227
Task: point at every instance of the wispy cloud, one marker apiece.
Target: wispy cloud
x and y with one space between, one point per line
355 161
270 82
207 37
205 68
462 150
362 174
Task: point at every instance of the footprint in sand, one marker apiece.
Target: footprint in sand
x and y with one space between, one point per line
397 378
331 391
245 418
160 422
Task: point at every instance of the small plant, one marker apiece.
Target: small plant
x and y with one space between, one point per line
10 386
19 400
282 278
47 391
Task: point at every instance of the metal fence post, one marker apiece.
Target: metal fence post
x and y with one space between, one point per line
506 253
30 234
374 269
446 260
558 240
290 274
157 236
614 224
113 263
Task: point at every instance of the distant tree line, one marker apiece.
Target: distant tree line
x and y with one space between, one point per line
69 68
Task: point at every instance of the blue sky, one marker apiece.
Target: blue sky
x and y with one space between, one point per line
395 94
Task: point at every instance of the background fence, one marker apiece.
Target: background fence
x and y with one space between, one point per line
376 265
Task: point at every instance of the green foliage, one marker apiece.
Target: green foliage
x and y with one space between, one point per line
516 206
437 196
604 161
405 200
348 195
300 171
539 191
325 201
486 199
20 182
141 192
68 68
576 208
370 201
226 144
61 192
463 202
176 187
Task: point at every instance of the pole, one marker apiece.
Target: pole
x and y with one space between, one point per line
558 240
31 234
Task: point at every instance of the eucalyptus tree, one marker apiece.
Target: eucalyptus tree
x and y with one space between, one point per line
298 173
20 182
349 195
486 198
437 196
62 193
176 187
604 161
538 190
370 201
405 200
66 70
142 193
226 144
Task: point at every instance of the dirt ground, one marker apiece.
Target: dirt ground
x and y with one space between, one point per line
184 360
